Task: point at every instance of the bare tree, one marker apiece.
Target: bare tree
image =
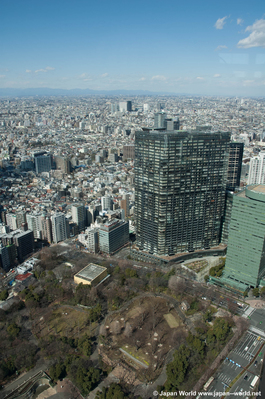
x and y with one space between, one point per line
115 327
128 330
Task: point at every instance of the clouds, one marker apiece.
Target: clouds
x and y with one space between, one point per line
221 47
256 37
159 77
219 24
239 21
48 68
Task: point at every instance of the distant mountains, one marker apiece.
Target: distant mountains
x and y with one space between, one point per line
45 91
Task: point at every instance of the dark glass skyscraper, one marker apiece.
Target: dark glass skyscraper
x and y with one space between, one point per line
234 165
180 182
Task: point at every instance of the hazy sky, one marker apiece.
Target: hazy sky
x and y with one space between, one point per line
194 47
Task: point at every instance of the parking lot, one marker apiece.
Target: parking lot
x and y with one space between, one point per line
239 360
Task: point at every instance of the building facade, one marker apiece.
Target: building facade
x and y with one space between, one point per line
59 229
234 166
257 169
245 260
79 216
180 182
113 235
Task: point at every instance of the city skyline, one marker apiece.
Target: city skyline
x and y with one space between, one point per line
192 48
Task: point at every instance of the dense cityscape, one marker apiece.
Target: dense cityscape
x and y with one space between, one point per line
132 238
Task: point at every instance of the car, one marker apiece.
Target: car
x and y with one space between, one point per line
246 377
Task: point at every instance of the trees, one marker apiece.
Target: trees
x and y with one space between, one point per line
177 369
114 391
255 292
13 330
57 371
3 295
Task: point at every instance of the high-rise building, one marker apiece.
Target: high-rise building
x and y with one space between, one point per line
124 204
257 169
63 164
113 234
21 218
34 224
128 151
160 120
46 228
43 162
79 216
245 260
125 106
106 202
11 221
59 229
4 258
180 182
234 165
24 241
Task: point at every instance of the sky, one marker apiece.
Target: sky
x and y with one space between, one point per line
191 47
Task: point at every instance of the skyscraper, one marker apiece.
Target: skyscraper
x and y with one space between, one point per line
59 230
245 260
43 162
234 165
257 169
180 182
79 216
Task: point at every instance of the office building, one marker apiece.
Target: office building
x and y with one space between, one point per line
180 182
124 204
43 162
245 260
257 169
234 166
46 228
128 152
125 106
106 202
21 218
11 221
63 164
160 120
34 224
4 258
79 216
24 242
113 234
59 228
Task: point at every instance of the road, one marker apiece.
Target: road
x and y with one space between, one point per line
245 360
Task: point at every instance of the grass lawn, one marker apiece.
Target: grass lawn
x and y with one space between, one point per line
171 320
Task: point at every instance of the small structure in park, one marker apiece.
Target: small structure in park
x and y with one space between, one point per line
92 275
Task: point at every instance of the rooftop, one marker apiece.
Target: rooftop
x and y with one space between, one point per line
90 272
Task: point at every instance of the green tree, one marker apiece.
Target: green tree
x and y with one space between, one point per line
84 344
87 379
3 295
177 369
114 391
255 292
13 330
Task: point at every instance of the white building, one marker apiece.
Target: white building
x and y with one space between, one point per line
59 230
106 202
11 221
257 169
34 224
